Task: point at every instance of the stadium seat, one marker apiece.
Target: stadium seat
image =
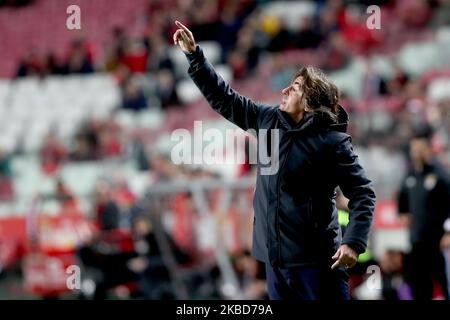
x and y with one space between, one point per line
349 80
212 51
81 177
150 119
439 89
443 43
290 12
417 58
187 91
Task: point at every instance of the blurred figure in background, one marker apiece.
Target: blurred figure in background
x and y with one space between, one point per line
165 88
423 204
251 275
151 263
53 154
65 196
133 97
106 210
79 59
392 264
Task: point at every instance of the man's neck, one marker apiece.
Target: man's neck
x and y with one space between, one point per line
297 117
419 165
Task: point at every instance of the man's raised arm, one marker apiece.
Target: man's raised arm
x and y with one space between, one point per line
234 107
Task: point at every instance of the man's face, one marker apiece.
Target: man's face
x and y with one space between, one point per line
419 149
292 96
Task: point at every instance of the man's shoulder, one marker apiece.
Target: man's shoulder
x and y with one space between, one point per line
267 111
334 138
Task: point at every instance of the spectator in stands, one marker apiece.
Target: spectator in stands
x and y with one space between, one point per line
281 40
414 14
51 65
440 13
238 64
161 167
87 141
111 60
15 3
65 197
125 199
424 207
392 264
307 36
119 41
107 213
251 275
140 155
84 149
159 56
53 154
135 56
247 44
133 97
327 22
355 32
30 65
204 19
227 29
79 59
399 80
166 89
110 144
373 85
155 249
336 53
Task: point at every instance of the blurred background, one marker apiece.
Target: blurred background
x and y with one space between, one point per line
86 118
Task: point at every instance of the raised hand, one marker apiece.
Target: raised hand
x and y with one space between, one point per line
183 37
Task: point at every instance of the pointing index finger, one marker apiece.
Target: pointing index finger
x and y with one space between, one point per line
182 26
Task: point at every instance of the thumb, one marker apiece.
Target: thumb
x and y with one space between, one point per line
337 254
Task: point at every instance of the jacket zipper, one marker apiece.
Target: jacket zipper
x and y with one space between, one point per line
311 216
277 223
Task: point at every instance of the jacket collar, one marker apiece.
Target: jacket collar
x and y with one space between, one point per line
314 120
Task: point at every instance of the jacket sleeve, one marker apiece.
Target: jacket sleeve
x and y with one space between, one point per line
222 98
358 189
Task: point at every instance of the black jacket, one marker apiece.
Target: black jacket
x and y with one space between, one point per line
296 221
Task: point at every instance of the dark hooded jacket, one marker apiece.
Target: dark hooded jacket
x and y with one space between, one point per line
296 220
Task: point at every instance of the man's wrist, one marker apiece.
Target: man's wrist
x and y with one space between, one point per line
193 52
354 247
195 57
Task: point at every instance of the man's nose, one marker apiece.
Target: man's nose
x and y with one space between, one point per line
286 90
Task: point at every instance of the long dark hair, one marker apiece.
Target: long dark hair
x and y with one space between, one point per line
321 94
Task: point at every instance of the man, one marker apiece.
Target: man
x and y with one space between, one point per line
296 230
424 206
